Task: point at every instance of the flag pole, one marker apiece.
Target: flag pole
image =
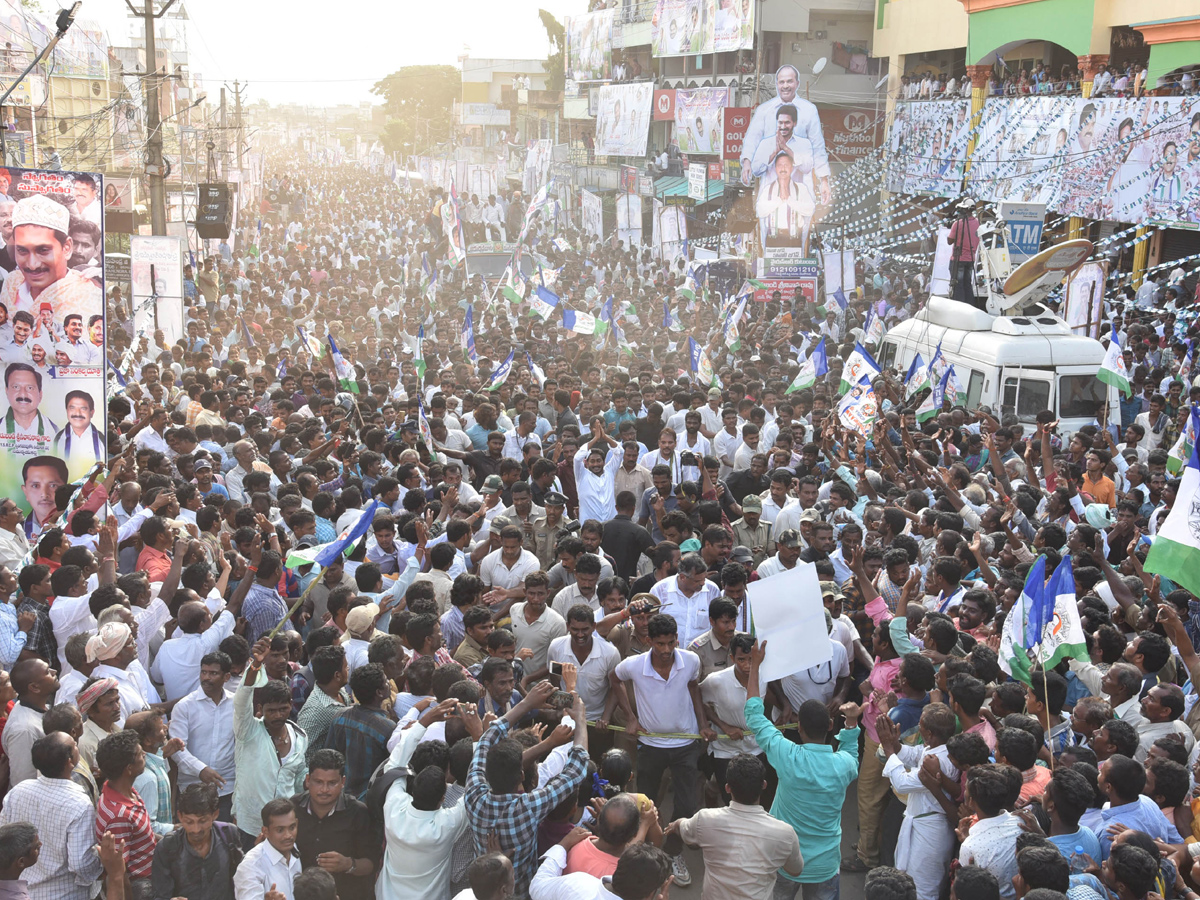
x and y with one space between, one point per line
1046 708
295 606
1046 697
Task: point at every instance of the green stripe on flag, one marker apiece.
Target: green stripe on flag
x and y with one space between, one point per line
1176 561
511 295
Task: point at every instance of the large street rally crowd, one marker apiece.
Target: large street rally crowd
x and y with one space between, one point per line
536 672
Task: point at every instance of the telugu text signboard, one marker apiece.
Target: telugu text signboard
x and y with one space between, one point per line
787 288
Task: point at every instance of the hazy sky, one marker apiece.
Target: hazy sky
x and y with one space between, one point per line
326 53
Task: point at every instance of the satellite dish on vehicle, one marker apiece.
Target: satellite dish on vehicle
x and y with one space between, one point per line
1034 279
819 66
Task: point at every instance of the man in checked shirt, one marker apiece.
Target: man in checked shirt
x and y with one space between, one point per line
495 803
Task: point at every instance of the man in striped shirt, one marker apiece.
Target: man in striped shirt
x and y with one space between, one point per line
121 811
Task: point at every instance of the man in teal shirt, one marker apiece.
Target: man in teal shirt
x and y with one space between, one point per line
812 785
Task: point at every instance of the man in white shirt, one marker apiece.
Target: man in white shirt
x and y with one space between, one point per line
151 437
493 222
177 665
535 625
203 720
711 414
727 441
14 546
665 685
593 661
519 437
504 571
595 475
826 681
115 649
686 595
274 863
420 833
788 546
743 845
665 455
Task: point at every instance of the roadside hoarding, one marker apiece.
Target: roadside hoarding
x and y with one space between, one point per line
52 429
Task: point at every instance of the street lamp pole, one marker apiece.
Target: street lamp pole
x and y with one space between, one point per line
65 18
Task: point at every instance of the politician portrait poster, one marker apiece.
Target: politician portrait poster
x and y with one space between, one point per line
51 336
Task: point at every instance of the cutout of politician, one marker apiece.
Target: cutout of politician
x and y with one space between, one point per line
763 127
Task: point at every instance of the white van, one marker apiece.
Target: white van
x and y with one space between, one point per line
1020 364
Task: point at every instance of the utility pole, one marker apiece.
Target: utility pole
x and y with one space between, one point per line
224 137
154 143
237 113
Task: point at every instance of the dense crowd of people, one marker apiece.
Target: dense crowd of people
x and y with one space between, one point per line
1128 80
536 674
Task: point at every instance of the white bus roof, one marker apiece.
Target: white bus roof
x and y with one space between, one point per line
971 334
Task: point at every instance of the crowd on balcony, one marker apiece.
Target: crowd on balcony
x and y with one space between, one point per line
1111 81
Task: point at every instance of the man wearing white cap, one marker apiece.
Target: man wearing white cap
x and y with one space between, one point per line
114 647
42 248
360 630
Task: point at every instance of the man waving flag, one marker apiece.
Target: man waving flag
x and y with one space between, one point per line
500 375
347 377
1112 370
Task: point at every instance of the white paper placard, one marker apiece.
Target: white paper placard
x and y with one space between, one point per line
789 616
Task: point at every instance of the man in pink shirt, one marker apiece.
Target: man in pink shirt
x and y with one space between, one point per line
964 237
618 825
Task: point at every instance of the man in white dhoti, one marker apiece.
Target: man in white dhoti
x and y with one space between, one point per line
926 840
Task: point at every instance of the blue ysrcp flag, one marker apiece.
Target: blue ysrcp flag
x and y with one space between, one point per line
578 322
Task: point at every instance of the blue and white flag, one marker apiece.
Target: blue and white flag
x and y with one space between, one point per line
578 322
419 354
500 375
937 365
543 302
605 317
858 408
1015 638
281 369
859 367
535 370
120 377
324 554
1043 627
917 378
873 328
840 298
811 369
310 342
347 377
950 386
467 340
670 320
701 365
733 339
